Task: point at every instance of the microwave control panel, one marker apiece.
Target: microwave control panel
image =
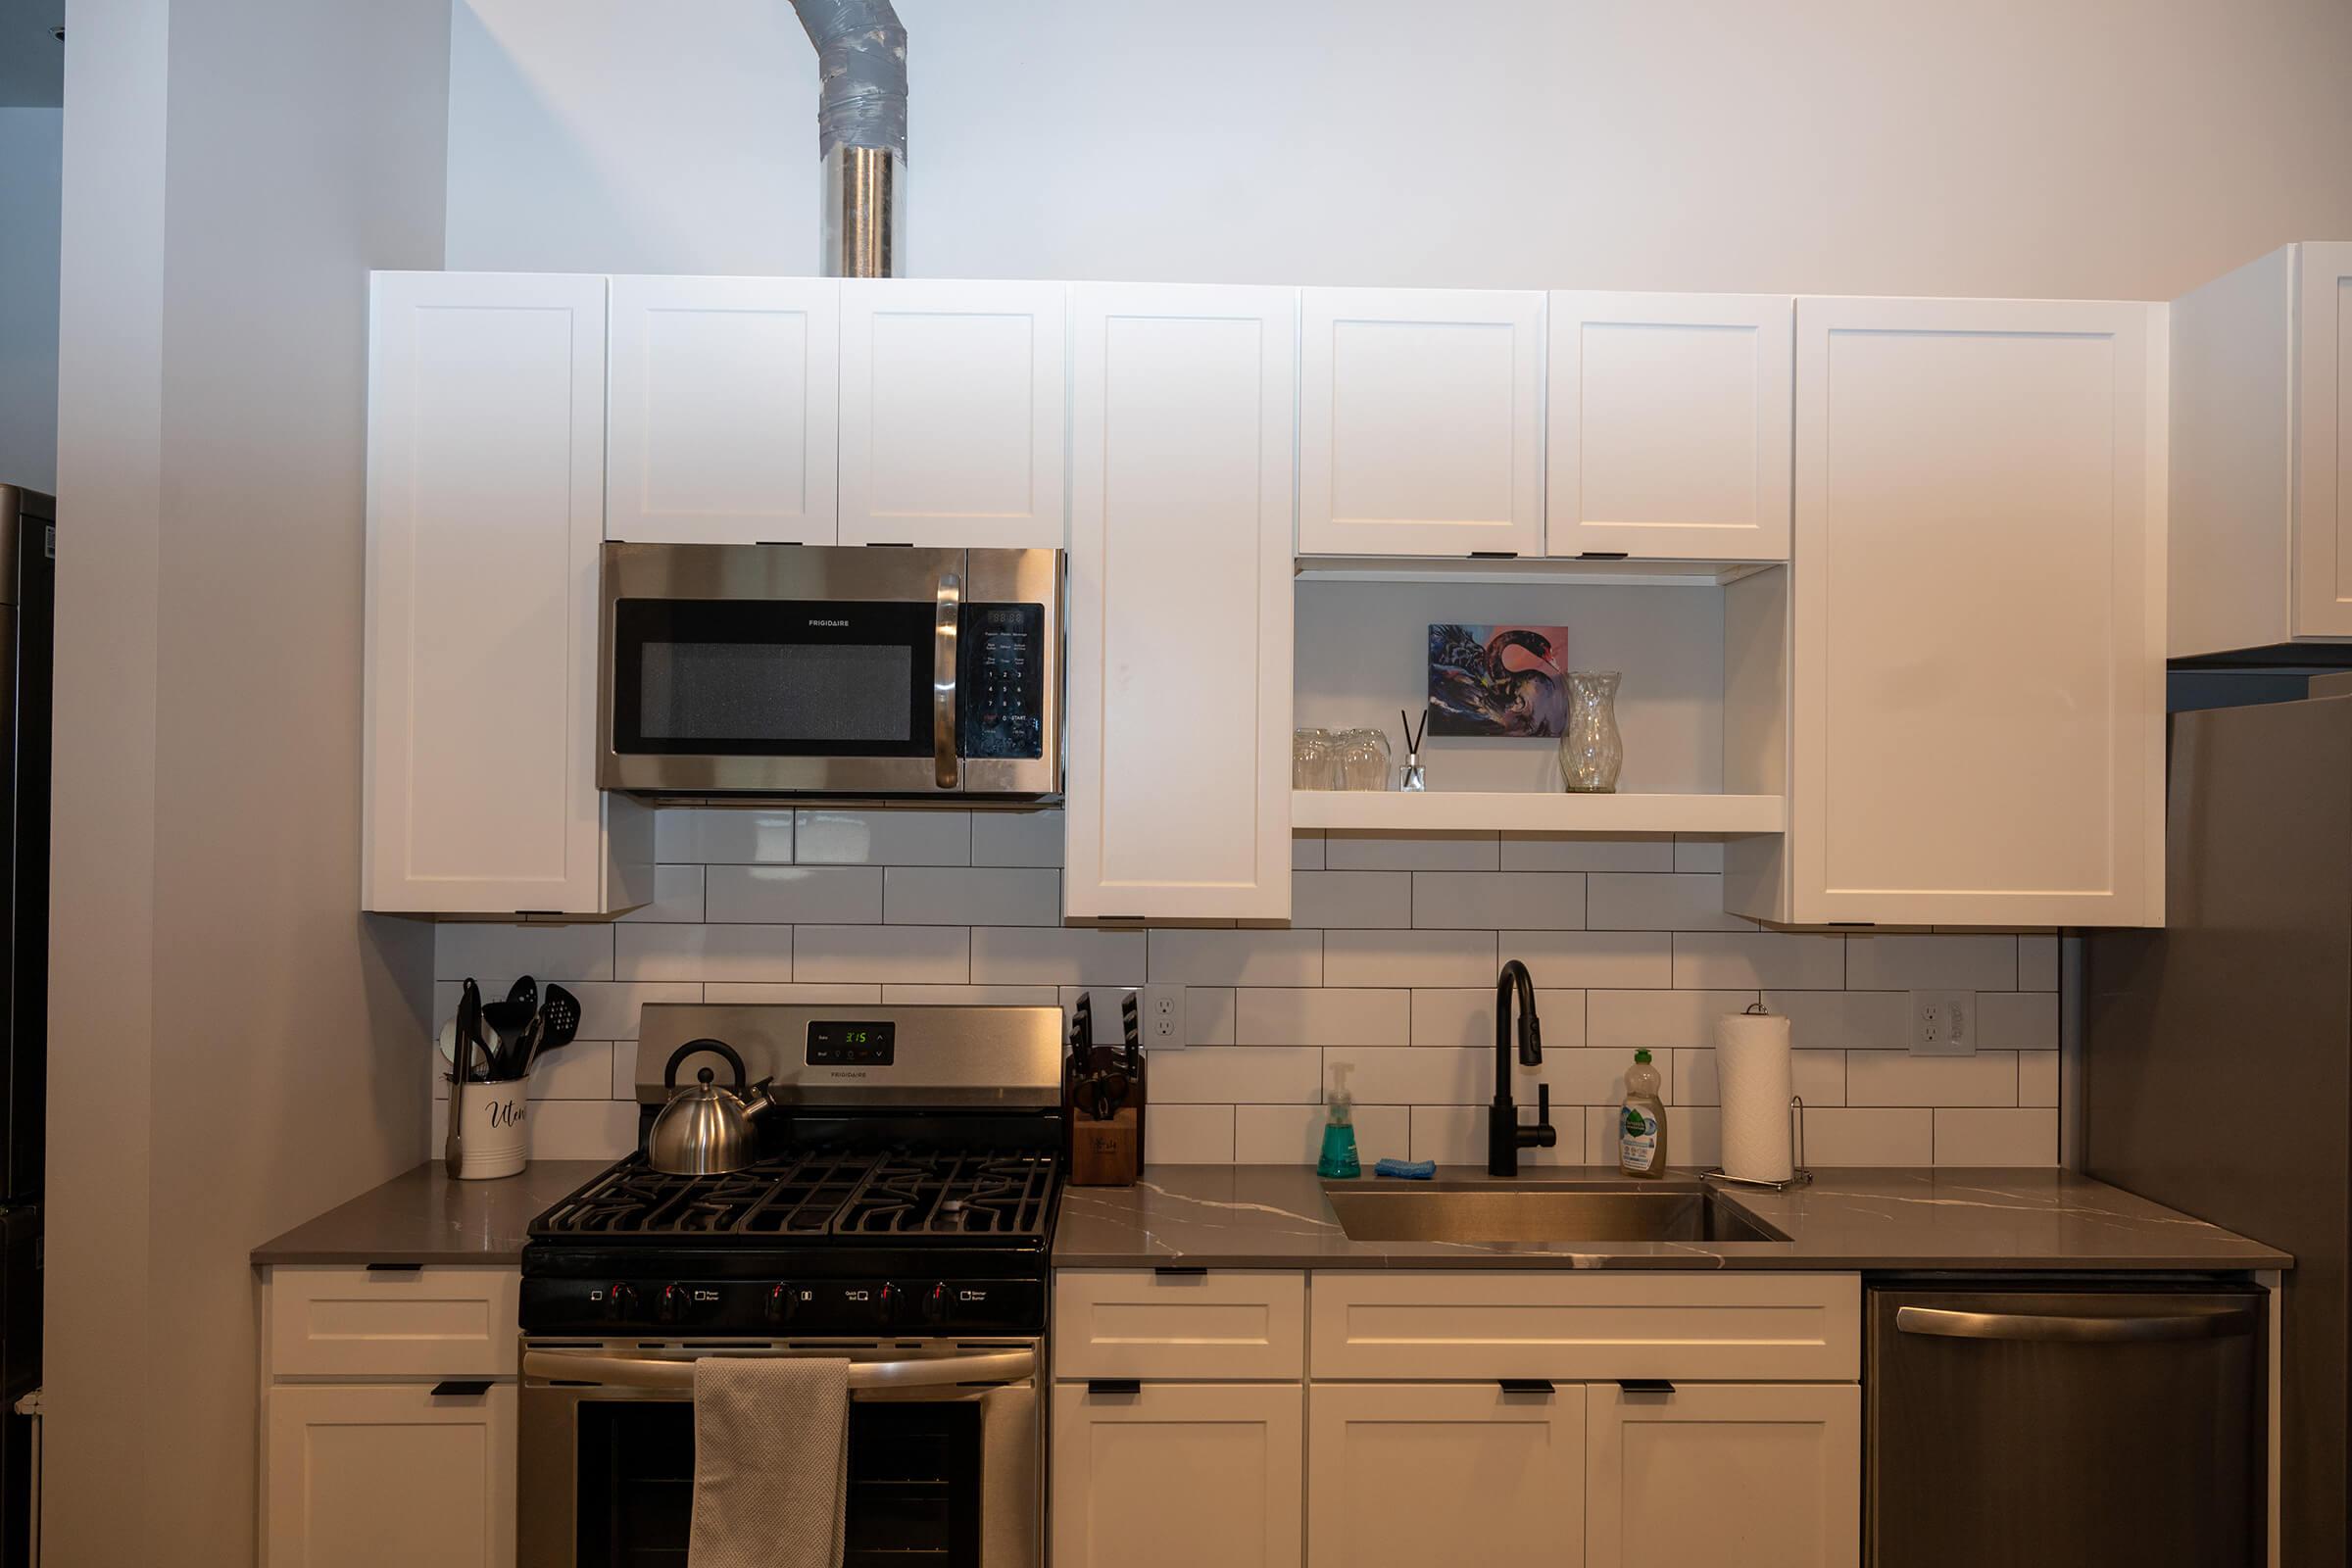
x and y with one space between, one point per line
1001 681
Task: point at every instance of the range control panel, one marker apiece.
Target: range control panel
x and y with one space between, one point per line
1000 680
827 1308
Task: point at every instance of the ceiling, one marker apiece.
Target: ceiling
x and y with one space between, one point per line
32 62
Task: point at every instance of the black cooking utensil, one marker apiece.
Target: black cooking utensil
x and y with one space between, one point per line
508 1020
553 1029
524 991
470 1023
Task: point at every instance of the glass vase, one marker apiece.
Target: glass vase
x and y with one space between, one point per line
1592 753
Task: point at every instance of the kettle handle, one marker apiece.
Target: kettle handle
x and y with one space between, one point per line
669 1072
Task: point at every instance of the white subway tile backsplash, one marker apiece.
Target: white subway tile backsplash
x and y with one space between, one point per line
1675 901
1340 899
1016 838
924 954
1345 850
1720 960
1564 852
1408 958
704 953
1188 1135
1293 1135
677 896
1965 1137
1056 955
1320 1017
795 895
1385 975
1930 961
830 836
495 956
1237 959
1498 900
1259 1075
972 895
1465 1020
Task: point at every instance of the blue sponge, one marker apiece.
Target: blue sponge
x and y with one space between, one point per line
1411 1170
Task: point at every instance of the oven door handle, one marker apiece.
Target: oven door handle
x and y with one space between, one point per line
948 609
914 1372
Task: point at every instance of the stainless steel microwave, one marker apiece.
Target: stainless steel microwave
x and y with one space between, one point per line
806 669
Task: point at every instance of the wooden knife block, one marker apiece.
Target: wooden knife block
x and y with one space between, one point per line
1105 1153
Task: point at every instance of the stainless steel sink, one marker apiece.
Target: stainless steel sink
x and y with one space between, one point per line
1664 1211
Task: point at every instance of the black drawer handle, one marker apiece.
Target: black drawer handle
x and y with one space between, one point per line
1645 1385
1524 1384
1114 1386
1180 1271
461 1388
395 1269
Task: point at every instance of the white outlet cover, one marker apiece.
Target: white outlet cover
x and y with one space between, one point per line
1943 1023
1163 1017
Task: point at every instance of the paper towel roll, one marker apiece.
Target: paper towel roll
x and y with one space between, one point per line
1751 1073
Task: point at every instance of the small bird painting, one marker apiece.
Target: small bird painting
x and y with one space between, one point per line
1508 681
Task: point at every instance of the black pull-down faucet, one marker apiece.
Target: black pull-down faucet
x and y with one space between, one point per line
1504 1136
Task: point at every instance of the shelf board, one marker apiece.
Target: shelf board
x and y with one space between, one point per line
1475 811
1648 573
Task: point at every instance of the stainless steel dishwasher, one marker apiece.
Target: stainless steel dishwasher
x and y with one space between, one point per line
2088 1424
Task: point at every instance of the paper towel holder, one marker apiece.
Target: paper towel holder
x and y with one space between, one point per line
1798 1176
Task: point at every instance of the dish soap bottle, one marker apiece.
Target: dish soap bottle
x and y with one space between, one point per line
1642 1129
1338 1159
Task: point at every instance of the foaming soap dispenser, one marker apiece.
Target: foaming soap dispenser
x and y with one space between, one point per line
1338 1159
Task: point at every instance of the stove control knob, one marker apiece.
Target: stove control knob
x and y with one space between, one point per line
670 1306
935 1303
620 1301
783 1304
887 1299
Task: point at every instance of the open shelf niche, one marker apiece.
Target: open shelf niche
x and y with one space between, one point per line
1702 707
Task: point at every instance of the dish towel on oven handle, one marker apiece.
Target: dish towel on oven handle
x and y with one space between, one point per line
772 1438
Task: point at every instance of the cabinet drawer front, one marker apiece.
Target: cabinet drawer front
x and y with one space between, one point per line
388 1473
1174 1474
1133 1323
428 1322
1493 1324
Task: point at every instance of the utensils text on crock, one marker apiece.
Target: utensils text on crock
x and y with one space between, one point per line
1411 777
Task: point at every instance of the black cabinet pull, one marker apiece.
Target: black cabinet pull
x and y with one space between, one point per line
395 1269
1180 1271
461 1388
1494 554
1524 1384
1601 555
1114 1386
1645 1385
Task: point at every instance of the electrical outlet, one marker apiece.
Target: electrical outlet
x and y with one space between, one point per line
1163 1017
1943 1023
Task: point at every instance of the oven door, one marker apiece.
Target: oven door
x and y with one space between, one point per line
946 1450
776 669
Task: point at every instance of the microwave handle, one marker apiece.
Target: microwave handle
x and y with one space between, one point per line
943 680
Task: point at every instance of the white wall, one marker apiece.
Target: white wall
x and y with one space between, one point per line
2105 148
32 156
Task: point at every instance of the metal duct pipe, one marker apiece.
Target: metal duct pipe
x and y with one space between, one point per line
861 132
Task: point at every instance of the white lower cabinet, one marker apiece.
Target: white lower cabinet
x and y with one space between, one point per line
1403 1475
1765 1475
361 1475
1169 1475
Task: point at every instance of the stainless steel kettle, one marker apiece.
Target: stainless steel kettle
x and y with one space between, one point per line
705 1130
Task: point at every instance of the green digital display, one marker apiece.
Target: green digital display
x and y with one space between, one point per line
849 1043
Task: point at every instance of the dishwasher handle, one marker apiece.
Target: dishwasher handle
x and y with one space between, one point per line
2050 1328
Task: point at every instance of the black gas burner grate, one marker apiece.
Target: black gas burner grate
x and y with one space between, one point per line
901 1195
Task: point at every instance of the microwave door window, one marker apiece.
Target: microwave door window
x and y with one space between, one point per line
772 678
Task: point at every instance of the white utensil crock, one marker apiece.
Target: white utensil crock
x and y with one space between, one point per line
497 1139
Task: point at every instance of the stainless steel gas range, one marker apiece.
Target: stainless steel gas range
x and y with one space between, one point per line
899 1214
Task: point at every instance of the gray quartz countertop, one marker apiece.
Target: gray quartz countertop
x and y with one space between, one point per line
1275 1216
421 1216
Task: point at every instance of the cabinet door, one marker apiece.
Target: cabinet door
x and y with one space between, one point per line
1404 1475
1179 793
952 414
1977 612
485 511
1668 419
2324 490
725 392
1766 1475
1178 1475
388 1475
1420 422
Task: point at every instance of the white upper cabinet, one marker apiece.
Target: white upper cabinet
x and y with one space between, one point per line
1179 788
1978 616
2262 454
953 420
1668 416
485 511
1420 422
724 392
